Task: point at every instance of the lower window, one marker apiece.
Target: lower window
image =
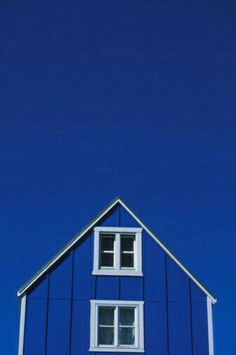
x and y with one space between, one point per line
116 326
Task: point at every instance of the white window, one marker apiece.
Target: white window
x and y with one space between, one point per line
117 251
116 326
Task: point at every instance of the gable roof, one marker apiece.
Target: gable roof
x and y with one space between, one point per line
78 236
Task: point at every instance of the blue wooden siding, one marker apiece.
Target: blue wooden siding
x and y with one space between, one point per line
58 309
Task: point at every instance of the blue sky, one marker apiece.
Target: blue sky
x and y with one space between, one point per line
130 98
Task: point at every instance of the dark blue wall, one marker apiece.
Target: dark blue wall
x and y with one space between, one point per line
58 309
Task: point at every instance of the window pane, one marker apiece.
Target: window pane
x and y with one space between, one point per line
126 316
106 315
127 243
126 336
107 259
127 260
106 336
107 242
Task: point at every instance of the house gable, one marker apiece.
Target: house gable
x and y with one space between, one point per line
111 216
58 298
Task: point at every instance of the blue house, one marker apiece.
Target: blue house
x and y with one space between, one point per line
115 288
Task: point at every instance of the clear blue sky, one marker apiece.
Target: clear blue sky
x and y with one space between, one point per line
133 98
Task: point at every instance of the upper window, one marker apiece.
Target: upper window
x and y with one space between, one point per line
116 326
117 251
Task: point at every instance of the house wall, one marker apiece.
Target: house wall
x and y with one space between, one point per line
58 309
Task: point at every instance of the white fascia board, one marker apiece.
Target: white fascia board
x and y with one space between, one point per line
118 200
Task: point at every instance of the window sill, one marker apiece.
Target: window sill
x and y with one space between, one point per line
108 272
117 350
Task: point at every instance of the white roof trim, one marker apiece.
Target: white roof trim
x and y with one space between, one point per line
77 238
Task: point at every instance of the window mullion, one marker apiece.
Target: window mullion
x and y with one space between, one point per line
117 252
116 327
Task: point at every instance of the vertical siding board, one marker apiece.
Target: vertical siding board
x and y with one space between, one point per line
191 316
167 309
197 293
178 310
179 329
131 288
178 283
155 328
107 288
200 327
58 327
119 289
119 216
94 287
81 328
60 280
47 312
71 300
41 289
35 327
154 270
83 284
126 219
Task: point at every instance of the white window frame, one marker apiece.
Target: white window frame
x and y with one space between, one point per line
117 270
139 326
